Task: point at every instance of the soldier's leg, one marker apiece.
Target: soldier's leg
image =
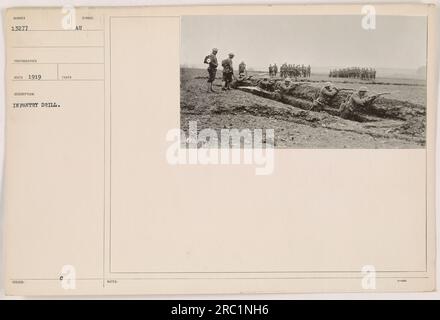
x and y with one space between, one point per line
224 81
211 79
227 81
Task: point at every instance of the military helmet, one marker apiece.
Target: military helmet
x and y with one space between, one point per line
215 49
328 84
231 55
363 89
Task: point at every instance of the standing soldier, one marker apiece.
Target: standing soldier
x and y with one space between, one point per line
270 70
211 60
283 70
275 69
228 71
328 91
242 68
309 71
296 71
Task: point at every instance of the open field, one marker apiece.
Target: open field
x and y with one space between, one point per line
298 128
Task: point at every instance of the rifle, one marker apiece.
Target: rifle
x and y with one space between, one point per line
382 93
344 89
377 95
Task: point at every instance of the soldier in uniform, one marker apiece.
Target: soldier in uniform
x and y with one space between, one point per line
286 87
242 68
326 94
265 84
275 69
242 76
270 70
211 60
228 72
241 80
357 100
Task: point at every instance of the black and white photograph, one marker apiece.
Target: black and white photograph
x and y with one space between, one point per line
337 81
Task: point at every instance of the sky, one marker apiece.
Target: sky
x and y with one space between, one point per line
321 41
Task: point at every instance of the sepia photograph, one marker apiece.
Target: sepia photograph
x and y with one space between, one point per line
347 81
228 151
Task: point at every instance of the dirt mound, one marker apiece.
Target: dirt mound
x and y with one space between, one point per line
303 95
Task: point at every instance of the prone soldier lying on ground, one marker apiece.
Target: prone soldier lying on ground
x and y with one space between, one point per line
242 76
356 101
286 87
326 94
266 84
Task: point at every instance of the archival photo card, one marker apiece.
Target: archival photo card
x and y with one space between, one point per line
220 149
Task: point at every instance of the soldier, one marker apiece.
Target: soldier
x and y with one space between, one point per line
326 94
241 80
228 71
242 68
211 60
283 70
265 84
270 70
242 76
286 87
357 100
296 72
275 69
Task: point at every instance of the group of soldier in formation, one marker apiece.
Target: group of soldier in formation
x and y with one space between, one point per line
293 71
354 72
358 98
